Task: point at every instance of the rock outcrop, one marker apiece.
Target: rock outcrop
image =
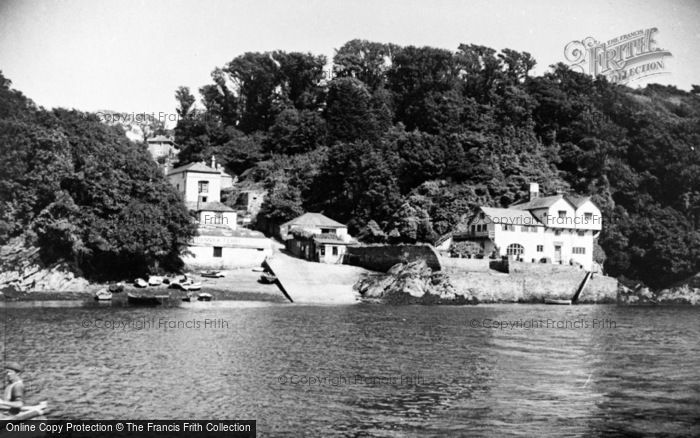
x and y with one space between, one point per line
412 283
22 270
686 292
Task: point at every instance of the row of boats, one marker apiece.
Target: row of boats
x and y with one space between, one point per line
183 284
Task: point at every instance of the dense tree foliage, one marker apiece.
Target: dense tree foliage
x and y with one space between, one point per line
402 143
84 193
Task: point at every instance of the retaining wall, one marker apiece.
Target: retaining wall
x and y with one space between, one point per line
496 287
382 257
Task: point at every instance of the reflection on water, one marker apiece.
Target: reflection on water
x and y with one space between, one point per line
376 370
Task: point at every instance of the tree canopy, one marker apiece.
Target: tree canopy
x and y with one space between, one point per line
83 193
402 143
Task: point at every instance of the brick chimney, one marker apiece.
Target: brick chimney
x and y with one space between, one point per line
213 162
534 191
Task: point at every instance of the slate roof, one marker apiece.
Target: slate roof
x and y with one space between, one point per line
577 201
536 203
315 220
547 201
194 167
511 216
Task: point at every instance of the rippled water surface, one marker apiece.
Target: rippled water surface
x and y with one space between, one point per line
368 370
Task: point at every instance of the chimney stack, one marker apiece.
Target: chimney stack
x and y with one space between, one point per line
213 162
534 191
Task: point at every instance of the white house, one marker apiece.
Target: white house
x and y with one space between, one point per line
219 244
197 182
217 247
314 223
316 237
560 228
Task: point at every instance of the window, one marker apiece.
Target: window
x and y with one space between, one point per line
482 215
473 229
579 250
203 187
524 229
203 199
327 231
178 186
540 248
323 250
562 214
588 217
217 251
335 250
515 249
581 233
557 232
507 227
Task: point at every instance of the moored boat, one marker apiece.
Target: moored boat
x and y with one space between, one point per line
155 280
267 278
212 274
103 295
560 302
204 297
140 282
193 286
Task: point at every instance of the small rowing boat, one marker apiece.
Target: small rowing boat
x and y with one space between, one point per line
155 280
267 278
103 295
212 274
140 282
560 302
193 286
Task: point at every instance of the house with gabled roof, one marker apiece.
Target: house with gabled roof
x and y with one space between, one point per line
557 229
218 243
316 237
314 223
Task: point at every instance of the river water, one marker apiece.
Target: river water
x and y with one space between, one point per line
368 370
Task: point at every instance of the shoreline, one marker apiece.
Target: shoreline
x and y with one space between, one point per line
242 284
238 285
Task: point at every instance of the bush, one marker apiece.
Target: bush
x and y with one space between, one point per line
466 249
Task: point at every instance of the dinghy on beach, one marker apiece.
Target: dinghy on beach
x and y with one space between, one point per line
559 302
103 295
